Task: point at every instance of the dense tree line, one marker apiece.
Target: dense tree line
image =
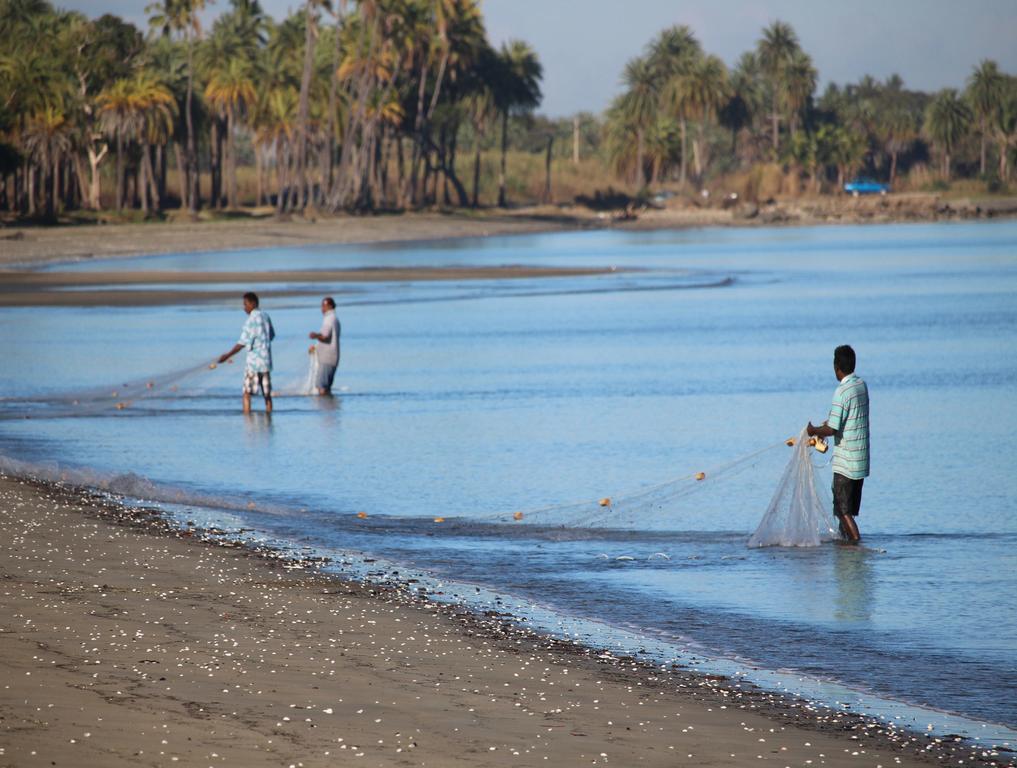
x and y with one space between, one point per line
345 106
682 106
372 104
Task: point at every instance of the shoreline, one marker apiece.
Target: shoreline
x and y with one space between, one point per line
40 246
167 596
30 247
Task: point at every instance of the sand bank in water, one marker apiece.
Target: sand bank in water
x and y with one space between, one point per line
41 245
126 643
106 288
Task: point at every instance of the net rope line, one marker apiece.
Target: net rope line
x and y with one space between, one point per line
96 400
612 511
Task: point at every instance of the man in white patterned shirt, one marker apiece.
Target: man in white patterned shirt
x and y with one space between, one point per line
257 335
848 424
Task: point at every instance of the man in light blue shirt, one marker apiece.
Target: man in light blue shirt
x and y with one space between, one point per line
256 336
848 424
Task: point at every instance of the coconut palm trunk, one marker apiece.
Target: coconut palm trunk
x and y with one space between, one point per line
149 171
684 165
476 171
640 158
231 151
215 164
141 183
304 106
120 170
192 152
504 154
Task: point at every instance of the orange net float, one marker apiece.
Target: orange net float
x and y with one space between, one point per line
362 515
517 516
605 502
700 475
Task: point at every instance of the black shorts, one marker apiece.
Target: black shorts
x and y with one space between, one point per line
847 495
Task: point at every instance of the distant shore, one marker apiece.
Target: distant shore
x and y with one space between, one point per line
126 641
30 246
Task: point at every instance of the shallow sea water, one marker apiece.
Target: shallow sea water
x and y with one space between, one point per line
464 399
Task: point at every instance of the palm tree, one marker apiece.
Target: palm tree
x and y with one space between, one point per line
517 90
672 55
777 50
155 107
303 109
841 146
119 118
182 16
231 91
703 91
896 125
640 104
947 121
801 79
746 98
985 93
1005 126
275 127
46 138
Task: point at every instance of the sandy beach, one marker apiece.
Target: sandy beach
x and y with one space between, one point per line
42 245
125 642
35 246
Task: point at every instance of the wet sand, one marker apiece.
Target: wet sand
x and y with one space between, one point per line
126 642
43 289
35 246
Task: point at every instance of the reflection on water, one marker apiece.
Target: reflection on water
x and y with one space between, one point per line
258 427
854 578
522 394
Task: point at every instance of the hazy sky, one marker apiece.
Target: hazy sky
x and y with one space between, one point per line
583 44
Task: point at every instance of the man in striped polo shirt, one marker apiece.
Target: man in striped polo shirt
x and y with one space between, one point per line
848 424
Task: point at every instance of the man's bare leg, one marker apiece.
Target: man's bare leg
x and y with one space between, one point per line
247 403
849 528
268 403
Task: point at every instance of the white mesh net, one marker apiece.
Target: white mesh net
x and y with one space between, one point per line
798 516
655 508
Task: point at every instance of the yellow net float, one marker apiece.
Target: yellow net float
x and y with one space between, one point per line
700 475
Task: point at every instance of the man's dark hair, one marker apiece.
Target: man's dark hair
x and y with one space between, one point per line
251 297
330 301
844 359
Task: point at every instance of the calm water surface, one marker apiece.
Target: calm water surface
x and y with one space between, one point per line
464 399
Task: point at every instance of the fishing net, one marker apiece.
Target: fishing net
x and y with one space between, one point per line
178 386
119 396
798 516
655 508
309 386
